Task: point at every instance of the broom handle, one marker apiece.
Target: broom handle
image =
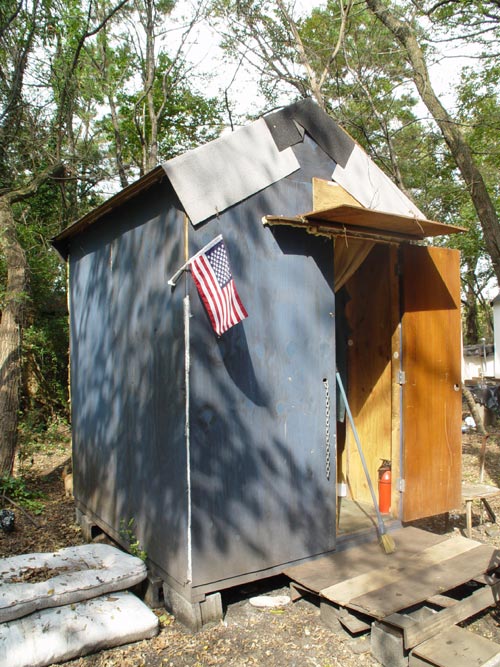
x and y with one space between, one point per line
360 451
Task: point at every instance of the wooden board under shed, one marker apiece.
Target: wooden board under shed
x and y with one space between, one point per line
367 580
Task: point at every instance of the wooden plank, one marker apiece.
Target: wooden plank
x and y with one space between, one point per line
425 582
385 222
443 601
457 647
475 491
332 229
489 579
416 633
432 407
327 194
334 568
417 566
297 592
354 624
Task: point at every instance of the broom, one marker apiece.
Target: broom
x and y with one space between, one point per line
386 540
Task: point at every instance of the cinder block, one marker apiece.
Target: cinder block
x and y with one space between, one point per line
187 613
387 645
85 524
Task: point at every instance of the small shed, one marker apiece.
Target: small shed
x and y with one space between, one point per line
229 457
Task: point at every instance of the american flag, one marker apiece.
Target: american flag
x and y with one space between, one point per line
214 281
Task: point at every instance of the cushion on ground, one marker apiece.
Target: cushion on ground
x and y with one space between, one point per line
38 581
57 635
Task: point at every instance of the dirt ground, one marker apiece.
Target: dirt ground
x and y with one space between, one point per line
292 635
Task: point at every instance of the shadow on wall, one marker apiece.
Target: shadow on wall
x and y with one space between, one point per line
260 490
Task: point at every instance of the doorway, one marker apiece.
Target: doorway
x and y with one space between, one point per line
398 351
367 325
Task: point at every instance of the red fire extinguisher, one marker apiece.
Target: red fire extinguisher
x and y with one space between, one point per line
384 487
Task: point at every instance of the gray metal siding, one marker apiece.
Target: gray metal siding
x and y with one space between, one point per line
128 377
260 493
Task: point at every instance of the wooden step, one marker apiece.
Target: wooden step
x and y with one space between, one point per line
456 647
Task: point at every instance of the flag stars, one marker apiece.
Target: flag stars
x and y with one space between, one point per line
218 260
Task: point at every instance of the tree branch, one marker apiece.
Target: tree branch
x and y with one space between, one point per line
20 194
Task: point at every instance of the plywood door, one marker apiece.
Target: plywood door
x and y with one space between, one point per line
431 394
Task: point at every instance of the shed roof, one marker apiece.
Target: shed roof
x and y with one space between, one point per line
223 172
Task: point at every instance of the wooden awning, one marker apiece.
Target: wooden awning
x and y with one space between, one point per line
347 219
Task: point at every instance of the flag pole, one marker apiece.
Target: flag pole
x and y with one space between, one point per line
173 280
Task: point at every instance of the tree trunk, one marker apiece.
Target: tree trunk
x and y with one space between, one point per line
471 324
459 148
151 152
118 142
11 329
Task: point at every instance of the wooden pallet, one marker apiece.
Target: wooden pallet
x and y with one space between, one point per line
364 585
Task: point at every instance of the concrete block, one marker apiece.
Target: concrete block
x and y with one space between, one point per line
187 613
85 524
387 645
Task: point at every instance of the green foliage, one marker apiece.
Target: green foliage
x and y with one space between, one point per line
154 109
16 489
128 534
256 32
45 337
186 120
62 64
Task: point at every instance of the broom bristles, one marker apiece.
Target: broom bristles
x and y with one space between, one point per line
388 544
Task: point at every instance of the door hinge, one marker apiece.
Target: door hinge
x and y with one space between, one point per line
401 377
401 485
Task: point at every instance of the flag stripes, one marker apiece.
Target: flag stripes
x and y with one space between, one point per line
215 284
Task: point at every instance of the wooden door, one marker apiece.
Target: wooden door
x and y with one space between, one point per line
431 360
